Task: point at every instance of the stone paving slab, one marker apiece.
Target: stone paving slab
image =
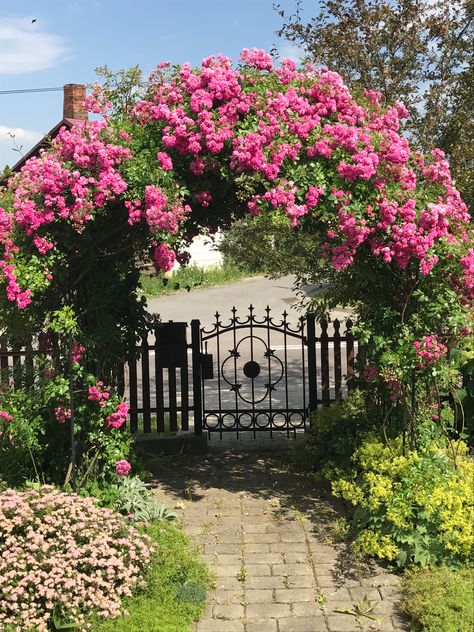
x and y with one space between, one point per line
265 532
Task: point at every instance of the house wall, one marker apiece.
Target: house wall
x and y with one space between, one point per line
203 251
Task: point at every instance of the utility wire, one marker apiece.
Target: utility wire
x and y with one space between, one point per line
31 90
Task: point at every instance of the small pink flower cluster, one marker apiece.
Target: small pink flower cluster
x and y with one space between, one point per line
430 350
77 352
164 257
99 393
370 374
62 414
4 416
119 417
123 467
61 554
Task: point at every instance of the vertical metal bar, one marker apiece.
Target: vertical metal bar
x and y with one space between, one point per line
173 399
325 364
270 412
197 381
16 358
234 339
146 386
185 395
159 389
219 393
285 352
251 359
349 355
132 369
303 368
311 342
337 360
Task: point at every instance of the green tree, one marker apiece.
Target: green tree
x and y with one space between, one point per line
416 51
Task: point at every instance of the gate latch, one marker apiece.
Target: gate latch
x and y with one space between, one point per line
207 366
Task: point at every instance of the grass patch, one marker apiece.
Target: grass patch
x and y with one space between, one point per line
191 278
176 588
439 600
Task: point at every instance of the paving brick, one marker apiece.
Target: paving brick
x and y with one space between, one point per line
256 547
228 560
222 596
264 611
290 595
219 625
263 558
227 571
265 583
306 609
292 569
262 626
257 570
341 623
302 624
228 611
301 557
258 596
257 538
288 547
255 528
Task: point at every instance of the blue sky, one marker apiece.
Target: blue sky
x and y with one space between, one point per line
71 38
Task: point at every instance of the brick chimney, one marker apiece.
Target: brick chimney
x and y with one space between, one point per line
74 95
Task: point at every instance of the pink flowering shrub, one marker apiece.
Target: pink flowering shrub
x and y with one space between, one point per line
64 559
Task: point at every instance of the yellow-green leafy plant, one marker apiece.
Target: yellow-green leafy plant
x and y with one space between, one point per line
411 506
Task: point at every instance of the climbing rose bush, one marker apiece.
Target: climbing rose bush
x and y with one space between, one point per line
201 146
63 559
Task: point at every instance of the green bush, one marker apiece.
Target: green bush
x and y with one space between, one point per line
413 507
335 433
176 586
439 600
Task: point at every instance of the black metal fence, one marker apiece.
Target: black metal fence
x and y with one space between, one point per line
244 373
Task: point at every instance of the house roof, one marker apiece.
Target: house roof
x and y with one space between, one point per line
45 142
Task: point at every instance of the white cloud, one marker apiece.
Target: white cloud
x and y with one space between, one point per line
26 47
291 51
168 38
16 138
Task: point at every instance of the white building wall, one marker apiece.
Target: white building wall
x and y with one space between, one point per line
203 251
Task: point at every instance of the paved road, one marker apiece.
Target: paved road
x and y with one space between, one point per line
278 294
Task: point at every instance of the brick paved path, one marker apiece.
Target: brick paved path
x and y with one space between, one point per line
267 535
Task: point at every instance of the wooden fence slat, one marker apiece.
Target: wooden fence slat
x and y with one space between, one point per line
173 400
184 398
349 355
326 395
133 388
159 390
337 360
146 386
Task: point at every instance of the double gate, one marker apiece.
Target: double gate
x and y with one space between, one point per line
244 373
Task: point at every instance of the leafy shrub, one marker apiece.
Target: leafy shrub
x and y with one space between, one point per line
35 429
440 600
336 432
414 507
62 559
135 500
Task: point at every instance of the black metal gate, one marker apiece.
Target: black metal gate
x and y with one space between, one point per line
253 374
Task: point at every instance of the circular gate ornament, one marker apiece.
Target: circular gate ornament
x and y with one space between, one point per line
251 369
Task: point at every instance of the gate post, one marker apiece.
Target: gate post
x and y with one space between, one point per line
197 375
311 343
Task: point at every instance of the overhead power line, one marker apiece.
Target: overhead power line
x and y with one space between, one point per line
25 91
